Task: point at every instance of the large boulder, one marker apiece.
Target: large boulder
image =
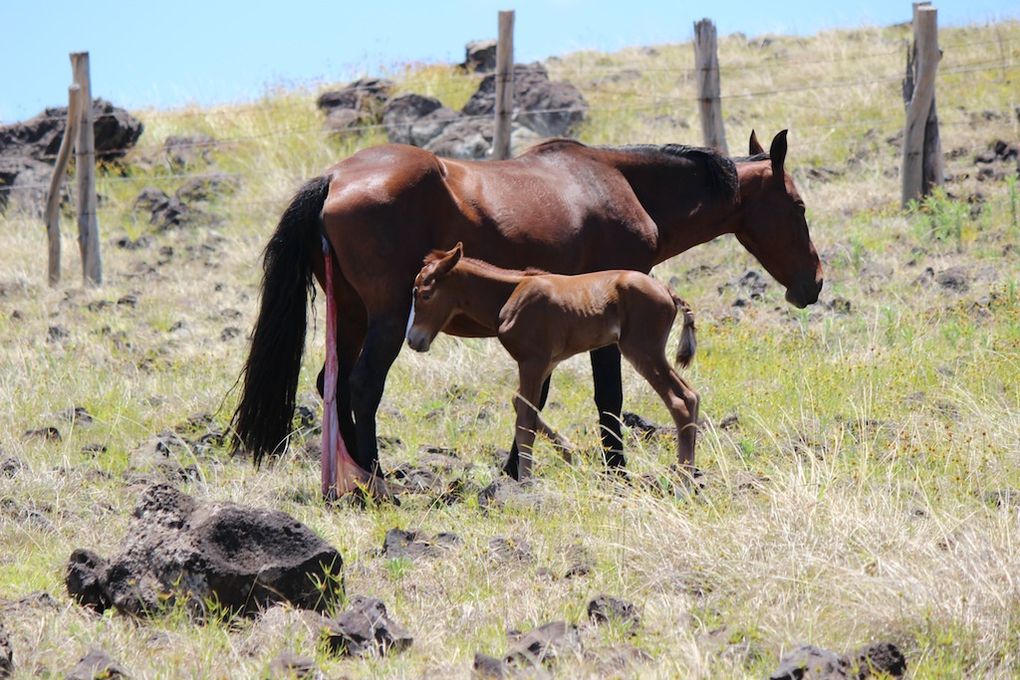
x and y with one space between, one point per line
401 112
179 551
366 94
480 56
469 138
29 149
552 109
116 131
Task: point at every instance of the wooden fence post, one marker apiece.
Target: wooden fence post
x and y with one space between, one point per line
504 86
706 64
922 150
85 167
59 168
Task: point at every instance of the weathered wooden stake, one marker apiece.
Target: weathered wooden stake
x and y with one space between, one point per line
85 167
706 65
922 149
504 86
57 180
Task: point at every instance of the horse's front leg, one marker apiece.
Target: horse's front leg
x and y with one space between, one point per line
532 375
382 344
513 461
605 367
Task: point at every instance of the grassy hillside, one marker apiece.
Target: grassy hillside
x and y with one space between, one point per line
867 488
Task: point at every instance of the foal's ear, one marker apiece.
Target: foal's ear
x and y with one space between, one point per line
450 260
777 153
755 147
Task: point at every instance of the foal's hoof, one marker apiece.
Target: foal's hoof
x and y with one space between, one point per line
511 469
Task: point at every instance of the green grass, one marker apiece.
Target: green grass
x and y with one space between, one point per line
852 502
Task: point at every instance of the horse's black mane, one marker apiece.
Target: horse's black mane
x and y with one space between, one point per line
719 172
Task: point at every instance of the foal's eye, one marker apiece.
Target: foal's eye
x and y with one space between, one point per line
425 297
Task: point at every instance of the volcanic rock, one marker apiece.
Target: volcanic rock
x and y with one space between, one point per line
366 628
96 665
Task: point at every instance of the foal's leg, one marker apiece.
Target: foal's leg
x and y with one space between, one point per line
532 374
512 465
649 359
605 366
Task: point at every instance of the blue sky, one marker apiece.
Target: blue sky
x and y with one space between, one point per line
163 54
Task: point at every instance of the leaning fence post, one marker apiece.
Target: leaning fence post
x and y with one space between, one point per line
85 162
59 168
706 65
922 153
504 86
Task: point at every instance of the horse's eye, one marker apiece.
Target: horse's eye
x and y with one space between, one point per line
425 296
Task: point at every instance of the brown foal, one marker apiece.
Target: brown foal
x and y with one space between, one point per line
542 319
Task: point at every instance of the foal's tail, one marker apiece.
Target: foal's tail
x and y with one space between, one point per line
262 422
688 342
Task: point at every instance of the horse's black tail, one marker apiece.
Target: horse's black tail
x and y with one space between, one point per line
262 422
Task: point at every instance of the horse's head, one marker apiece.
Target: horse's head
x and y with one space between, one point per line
774 227
431 305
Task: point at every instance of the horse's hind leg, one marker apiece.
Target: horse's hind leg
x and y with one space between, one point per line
605 366
649 360
513 461
382 344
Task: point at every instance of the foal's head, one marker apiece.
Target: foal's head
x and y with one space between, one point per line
432 307
775 228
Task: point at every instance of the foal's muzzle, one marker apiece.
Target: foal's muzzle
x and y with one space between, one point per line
417 340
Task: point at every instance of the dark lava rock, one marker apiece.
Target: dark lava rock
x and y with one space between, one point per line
490 668
517 549
412 544
552 109
83 578
23 185
6 654
431 125
469 138
480 56
179 550
366 94
954 279
57 333
643 428
207 187
730 422
50 434
401 112
879 658
11 466
545 644
341 121
581 562
116 131
604 608
366 628
182 151
290 665
807 662
96 665
78 415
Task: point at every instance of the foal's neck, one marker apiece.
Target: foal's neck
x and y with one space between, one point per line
482 290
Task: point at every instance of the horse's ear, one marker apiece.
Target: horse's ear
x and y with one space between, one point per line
450 260
777 153
755 147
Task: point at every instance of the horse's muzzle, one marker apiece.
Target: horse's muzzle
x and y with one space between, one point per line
805 294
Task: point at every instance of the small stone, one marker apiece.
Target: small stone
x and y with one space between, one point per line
730 422
880 658
511 549
490 668
811 663
366 628
56 333
50 434
290 665
96 665
545 643
604 608
11 466
6 654
83 578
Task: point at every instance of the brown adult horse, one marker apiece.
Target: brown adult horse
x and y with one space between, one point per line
561 206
